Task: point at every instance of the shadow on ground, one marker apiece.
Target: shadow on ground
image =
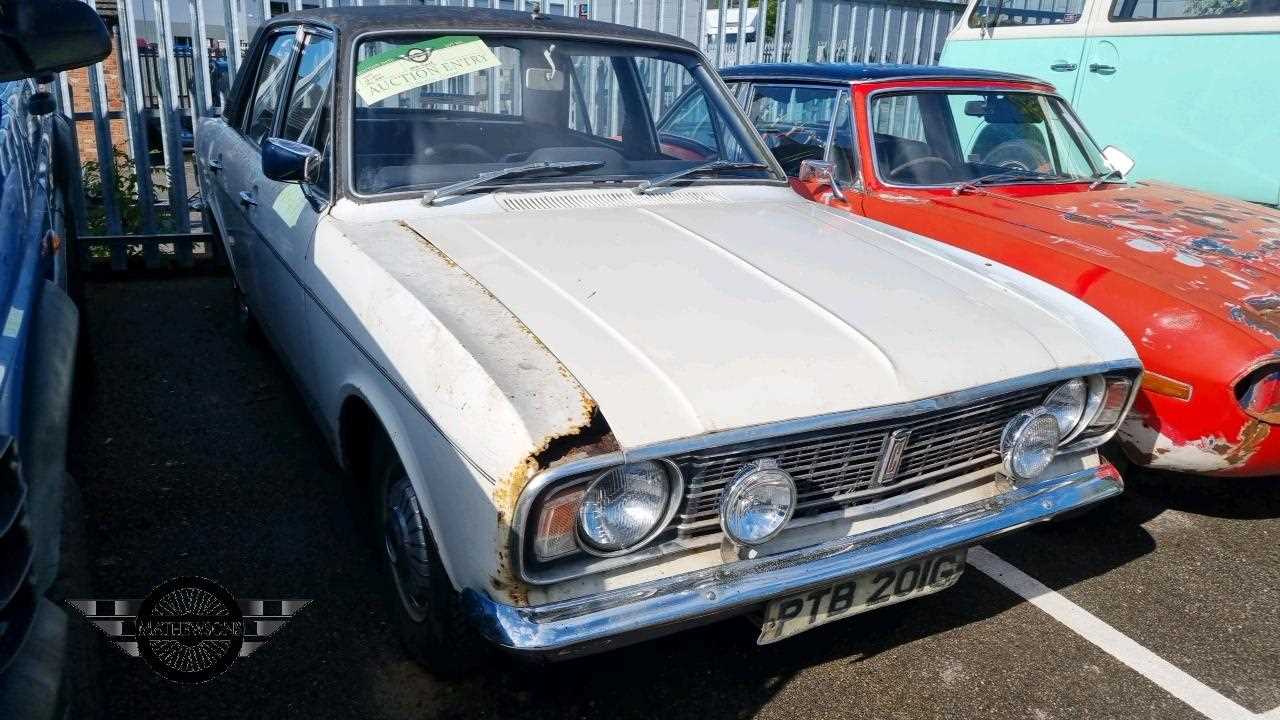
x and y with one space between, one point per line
196 456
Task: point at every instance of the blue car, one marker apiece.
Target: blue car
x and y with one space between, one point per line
38 330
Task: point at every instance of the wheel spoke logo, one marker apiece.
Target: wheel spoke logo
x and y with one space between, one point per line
188 629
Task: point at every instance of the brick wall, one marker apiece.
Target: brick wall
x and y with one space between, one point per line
80 101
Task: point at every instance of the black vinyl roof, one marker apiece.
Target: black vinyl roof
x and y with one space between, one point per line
349 21
846 73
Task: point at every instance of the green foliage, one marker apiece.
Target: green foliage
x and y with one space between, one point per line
1215 8
125 185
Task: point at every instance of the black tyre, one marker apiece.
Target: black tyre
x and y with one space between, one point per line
427 611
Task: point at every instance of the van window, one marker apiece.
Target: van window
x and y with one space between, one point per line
1016 13
1182 9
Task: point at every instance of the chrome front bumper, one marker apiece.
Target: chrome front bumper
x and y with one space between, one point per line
595 623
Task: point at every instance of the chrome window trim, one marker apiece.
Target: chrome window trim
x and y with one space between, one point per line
871 132
545 479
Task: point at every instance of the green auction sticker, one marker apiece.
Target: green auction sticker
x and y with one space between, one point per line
405 67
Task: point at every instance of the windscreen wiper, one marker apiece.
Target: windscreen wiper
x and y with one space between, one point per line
430 196
1105 176
1007 177
710 167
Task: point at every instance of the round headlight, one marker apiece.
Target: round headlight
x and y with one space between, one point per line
757 503
1066 403
1029 442
624 507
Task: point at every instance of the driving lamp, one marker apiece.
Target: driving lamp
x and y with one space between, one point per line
624 507
757 503
1029 443
1066 403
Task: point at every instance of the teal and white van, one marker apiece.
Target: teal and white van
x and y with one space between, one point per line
1189 88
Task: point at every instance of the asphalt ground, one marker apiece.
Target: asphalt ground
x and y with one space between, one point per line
195 456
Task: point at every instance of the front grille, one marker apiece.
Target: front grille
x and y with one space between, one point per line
835 468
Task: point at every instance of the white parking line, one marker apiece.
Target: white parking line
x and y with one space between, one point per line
1200 697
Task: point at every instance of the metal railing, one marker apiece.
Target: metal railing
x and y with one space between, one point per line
138 201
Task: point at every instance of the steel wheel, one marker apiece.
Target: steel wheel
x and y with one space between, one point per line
404 535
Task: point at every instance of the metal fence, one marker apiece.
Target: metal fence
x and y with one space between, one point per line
137 200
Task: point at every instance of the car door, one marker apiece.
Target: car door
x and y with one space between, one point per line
1024 37
1216 131
241 159
285 217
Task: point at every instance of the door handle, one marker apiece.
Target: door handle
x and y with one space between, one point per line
215 165
1063 66
1102 69
247 199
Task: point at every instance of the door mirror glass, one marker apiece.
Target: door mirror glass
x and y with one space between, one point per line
47 37
289 161
1118 160
821 173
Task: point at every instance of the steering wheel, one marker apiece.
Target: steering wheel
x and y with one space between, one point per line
1018 154
928 159
775 135
457 153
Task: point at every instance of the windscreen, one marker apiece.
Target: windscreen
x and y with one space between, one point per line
939 137
430 110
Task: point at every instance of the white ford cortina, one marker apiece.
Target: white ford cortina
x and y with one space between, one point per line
600 383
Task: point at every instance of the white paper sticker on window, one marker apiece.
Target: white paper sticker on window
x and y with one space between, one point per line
406 67
289 203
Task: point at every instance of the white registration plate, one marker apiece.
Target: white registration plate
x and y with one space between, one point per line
794 614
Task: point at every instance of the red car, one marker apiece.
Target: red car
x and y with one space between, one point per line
1001 166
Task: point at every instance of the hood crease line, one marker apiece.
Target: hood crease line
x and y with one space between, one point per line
638 353
834 320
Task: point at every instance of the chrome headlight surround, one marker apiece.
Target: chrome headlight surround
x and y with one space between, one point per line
674 496
1257 392
560 508
1030 431
1108 399
1068 403
754 476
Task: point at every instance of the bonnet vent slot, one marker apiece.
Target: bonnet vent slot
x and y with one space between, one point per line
577 200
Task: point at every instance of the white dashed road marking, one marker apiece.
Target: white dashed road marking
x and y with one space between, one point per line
1200 697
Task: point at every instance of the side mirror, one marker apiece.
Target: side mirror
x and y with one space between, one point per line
289 161
47 37
1118 160
821 172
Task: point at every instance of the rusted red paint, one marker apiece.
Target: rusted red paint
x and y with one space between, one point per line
1192 278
